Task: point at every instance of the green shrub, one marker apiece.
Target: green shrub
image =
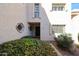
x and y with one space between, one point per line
27 46
64 41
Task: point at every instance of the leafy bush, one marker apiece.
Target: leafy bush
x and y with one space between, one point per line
27 46
64 41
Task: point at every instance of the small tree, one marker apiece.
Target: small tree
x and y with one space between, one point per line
64 41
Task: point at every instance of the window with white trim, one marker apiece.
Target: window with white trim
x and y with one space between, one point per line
58 6
36 10
58 28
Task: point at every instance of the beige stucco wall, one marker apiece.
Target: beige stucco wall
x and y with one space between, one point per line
10 15
75 29
45 25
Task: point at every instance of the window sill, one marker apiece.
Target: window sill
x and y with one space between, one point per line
36 17
58 11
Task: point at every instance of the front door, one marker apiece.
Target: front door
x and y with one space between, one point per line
34 29
37 31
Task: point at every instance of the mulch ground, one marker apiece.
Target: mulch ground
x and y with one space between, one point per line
66 53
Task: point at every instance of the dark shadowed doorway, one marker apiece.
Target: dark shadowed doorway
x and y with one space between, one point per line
34 29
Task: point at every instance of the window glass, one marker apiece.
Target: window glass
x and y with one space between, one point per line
36 10
58 6
58 28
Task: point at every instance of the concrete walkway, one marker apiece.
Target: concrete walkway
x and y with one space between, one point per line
59 54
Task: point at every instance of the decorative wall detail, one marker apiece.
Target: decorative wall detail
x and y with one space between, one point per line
20 27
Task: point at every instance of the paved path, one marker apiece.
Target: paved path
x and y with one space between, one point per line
59 54
64 53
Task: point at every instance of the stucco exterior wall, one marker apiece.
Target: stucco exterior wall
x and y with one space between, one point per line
75 29
59 17
10 15
45 31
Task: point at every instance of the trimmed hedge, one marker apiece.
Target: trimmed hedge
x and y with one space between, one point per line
27 47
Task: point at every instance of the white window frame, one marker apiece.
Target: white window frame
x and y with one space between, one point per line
63 28
58 6
37 11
